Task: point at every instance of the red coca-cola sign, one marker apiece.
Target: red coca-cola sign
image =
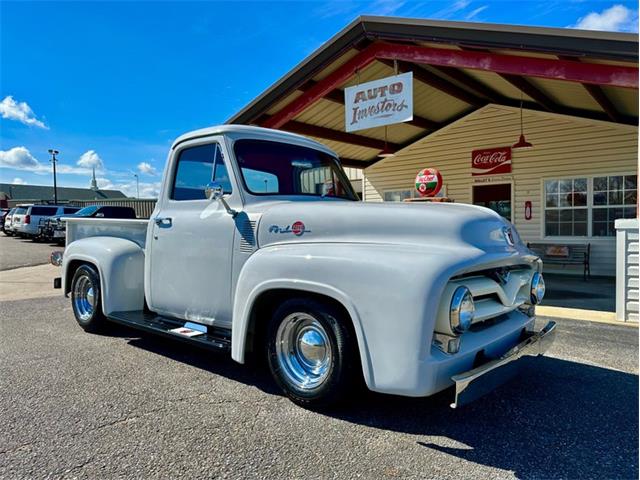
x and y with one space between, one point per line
491 161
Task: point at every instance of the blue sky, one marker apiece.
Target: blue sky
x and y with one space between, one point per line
111 84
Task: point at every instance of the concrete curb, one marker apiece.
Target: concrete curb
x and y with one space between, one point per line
29 282
580 314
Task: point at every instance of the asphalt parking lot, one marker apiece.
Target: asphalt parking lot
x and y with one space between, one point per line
22 252
88 406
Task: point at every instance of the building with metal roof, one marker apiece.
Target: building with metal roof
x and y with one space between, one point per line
44 194
477 88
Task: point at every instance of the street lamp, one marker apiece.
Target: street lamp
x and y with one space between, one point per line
137 186
53 160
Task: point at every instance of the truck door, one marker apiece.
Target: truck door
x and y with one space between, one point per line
189 269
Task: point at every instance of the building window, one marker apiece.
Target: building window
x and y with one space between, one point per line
397 195
400 195
613 197
566 207
584 207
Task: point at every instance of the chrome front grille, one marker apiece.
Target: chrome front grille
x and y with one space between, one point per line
498 292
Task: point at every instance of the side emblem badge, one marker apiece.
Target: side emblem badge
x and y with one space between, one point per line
297 228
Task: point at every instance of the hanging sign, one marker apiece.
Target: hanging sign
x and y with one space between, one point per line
381 102
491 161
428 182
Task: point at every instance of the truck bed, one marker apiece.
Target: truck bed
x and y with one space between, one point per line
130 229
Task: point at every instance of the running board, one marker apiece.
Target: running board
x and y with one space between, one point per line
212 338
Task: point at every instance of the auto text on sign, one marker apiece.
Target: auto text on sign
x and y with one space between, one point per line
380 102
491 161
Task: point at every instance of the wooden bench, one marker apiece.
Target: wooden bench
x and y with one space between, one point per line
564 254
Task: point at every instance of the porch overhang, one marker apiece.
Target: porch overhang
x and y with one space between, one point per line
458 68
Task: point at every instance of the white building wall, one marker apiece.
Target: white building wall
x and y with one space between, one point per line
563 147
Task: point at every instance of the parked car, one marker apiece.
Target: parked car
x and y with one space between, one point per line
45 221
29 222
3 215
276 257
6 226
18 219
53 228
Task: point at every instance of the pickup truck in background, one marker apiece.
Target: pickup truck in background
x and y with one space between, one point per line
53 229
258 246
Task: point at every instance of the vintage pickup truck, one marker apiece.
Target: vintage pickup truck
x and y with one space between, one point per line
259 246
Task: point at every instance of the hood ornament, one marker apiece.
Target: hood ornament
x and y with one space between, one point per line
508 236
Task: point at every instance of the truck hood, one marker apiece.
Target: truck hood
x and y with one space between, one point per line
436 224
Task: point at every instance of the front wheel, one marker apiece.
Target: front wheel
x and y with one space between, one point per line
86 299
311 352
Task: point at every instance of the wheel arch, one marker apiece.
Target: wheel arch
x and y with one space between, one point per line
120 266
249 327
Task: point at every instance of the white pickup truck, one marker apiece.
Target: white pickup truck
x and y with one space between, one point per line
258 245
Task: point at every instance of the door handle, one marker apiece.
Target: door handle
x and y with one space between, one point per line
163 222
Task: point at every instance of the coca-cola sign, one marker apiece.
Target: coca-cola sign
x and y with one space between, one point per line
491 161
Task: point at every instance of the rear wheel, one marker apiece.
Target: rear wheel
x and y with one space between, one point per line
86 299
312 355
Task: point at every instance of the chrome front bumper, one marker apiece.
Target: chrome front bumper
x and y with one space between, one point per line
483 379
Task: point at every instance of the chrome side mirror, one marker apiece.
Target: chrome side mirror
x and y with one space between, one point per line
213 191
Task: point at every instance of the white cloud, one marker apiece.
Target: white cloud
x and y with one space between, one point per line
19 111
451 10
147 168
385 7
474 13
105 183
19 158
18 181
90 159
147 189
617 18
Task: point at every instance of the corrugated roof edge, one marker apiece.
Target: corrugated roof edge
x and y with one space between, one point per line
564 41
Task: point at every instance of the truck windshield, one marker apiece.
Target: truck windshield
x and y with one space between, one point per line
274 168
86 211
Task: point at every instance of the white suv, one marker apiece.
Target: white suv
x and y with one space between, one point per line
18 218
29 220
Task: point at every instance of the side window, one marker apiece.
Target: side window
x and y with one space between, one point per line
193 172
197 166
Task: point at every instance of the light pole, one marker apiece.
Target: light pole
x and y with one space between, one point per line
53 160
137 186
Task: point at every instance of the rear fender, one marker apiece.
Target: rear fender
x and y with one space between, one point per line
120 264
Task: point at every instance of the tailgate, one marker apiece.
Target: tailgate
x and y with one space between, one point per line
130 229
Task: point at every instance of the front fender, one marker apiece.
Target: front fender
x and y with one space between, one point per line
120 264
391 293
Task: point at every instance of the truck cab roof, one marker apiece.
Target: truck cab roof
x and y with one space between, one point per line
251 131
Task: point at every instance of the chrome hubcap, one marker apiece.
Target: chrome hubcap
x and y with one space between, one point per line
303 350
84 298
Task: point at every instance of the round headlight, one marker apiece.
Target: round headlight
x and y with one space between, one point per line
537 288
462 310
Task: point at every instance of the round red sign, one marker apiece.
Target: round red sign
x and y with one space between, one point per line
428 182
298 228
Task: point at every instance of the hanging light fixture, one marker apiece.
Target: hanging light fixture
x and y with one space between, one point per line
522 142
386 152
